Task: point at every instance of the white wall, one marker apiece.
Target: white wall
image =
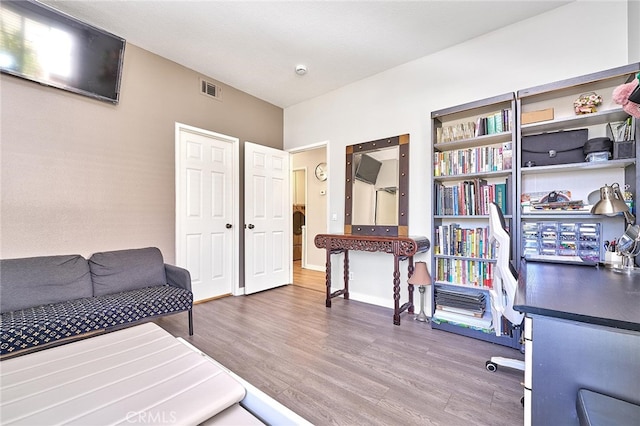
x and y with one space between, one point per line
634 31
539 50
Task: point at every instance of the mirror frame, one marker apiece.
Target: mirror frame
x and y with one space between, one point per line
402 229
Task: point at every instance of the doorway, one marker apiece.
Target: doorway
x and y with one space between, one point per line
309 209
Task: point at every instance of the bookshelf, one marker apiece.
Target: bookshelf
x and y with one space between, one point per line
474 151
573 232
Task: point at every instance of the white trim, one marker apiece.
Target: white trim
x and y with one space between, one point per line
235 183
308 147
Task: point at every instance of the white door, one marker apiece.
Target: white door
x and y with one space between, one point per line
268 236
205 212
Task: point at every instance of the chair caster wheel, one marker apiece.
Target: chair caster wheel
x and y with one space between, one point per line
491 366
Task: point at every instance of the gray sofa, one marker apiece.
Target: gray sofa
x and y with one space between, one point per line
49 300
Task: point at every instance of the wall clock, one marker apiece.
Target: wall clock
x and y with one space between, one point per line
321 172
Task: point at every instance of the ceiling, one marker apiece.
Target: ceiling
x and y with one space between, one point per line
254 46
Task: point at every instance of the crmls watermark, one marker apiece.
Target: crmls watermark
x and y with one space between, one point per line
152 417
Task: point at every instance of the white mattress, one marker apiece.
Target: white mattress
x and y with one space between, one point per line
138 375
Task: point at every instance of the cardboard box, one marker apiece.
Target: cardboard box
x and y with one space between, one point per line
536 116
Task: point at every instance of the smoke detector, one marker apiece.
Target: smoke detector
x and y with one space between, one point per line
301 69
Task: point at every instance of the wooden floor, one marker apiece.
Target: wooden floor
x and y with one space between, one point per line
349 365
308 278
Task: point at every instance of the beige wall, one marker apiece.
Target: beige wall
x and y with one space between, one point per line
80 175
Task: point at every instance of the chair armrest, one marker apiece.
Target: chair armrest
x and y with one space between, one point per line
177 276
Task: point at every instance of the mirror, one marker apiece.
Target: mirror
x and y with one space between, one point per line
376 187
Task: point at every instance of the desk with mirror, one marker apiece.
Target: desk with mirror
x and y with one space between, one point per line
402 248
376 213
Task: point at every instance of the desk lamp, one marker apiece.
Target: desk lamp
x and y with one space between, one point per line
611 203
422 279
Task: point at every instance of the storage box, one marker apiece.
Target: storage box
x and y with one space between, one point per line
548 149
562 239
598 156
536 116
624 149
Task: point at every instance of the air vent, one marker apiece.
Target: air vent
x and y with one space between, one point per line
209 89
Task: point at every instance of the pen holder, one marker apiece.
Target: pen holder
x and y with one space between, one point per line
612 258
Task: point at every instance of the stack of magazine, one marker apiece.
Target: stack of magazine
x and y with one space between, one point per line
462 306
619 131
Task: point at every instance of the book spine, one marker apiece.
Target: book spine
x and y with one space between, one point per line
491 124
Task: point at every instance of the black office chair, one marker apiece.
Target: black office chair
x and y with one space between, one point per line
505 283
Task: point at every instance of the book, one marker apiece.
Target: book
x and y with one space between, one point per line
501 196
499 122
491 124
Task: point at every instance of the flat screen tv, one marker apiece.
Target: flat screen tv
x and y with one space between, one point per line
368 169
44 45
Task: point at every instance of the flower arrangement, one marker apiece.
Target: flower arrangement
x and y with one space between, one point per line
587 103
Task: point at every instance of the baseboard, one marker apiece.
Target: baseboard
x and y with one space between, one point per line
315 268
372 300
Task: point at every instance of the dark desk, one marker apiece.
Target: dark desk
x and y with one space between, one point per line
585 333
400 247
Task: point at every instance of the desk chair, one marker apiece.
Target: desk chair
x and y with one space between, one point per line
505 283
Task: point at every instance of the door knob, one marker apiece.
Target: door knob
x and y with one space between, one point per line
251 226
228 226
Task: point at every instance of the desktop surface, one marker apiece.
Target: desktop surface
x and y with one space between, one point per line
589 294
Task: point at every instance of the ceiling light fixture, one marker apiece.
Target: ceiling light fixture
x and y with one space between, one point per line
301 69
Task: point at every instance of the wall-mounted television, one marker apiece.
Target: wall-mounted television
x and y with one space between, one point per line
41 44
368 169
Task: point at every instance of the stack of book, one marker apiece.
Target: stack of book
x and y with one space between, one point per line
494 123
455 240
473 160
466 272
491 124
470 198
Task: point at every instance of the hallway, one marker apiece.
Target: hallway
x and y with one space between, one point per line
307 278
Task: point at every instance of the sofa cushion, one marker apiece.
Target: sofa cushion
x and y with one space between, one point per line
122 270
36 281
47 324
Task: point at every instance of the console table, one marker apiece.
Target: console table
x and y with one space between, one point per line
401 248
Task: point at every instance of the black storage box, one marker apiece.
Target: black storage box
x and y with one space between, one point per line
624 149
597 145
547 149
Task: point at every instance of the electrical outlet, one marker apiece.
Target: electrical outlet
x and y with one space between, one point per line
350 276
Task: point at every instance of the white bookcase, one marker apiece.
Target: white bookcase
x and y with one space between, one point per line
471 168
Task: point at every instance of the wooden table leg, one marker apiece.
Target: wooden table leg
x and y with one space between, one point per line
346 274
328 276
396 290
